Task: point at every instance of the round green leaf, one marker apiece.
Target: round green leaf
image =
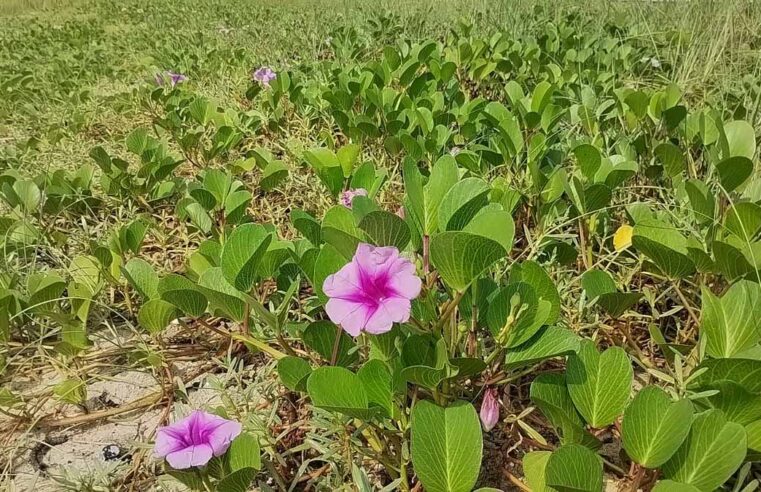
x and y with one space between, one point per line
460 257
241 254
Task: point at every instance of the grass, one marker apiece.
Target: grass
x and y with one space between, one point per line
73 76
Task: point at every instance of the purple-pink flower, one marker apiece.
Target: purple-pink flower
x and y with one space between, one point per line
194 440
490 409
373 291
348 196
171 77
264 76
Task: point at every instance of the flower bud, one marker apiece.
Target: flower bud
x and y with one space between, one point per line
490 409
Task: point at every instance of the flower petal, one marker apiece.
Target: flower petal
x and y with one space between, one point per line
403 281
221 437
390 311
197 455
351 316
345 283
167 441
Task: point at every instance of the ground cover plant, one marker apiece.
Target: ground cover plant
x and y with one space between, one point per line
421 246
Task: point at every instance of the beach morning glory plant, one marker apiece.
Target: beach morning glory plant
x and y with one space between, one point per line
195 440
373 291
171 77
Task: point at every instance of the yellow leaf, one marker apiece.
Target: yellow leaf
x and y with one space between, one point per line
622 239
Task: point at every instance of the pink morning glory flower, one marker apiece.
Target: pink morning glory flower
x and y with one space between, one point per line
490 409
373 291
264 76
194 440
348 196
172 77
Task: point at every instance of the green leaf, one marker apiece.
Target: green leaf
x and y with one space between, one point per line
244 453
141 275
533 274
339 390
294 373
671 486
426 361
71 391
156 314
339 229
737 404
664 246
460 257
589 159
137 141
273 175
184 294
462 202
599 384
347 156
549 392
745 372
444 176
320 336
217 183
328 168
712 452
497 225
237 481
654 426
44 289
743 220
534 468
307 225
386 229
29 195
515 314
729 323
741 139
446 446
574 468
241 254
376 378
548 342
221 295
733 171
671 158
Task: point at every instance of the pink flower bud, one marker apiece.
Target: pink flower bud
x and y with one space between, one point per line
490 409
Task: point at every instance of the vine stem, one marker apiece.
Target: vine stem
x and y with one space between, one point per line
687 306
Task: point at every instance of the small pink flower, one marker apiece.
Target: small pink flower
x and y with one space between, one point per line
348 196
264 76
373 291
454 151
490 409
193 440
171 77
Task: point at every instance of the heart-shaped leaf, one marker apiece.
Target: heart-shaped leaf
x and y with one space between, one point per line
549 342
550 393
713 450
460 257
320 336
183 293
294 372
339 390
241 254
654 426
386 229
574 468
156 314
599 384
446 446
729 323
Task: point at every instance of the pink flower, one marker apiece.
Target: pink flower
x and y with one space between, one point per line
193 440
348 196
373 291
490 409
264 76
171 77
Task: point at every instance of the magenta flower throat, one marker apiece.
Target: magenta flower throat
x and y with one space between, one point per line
373 291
